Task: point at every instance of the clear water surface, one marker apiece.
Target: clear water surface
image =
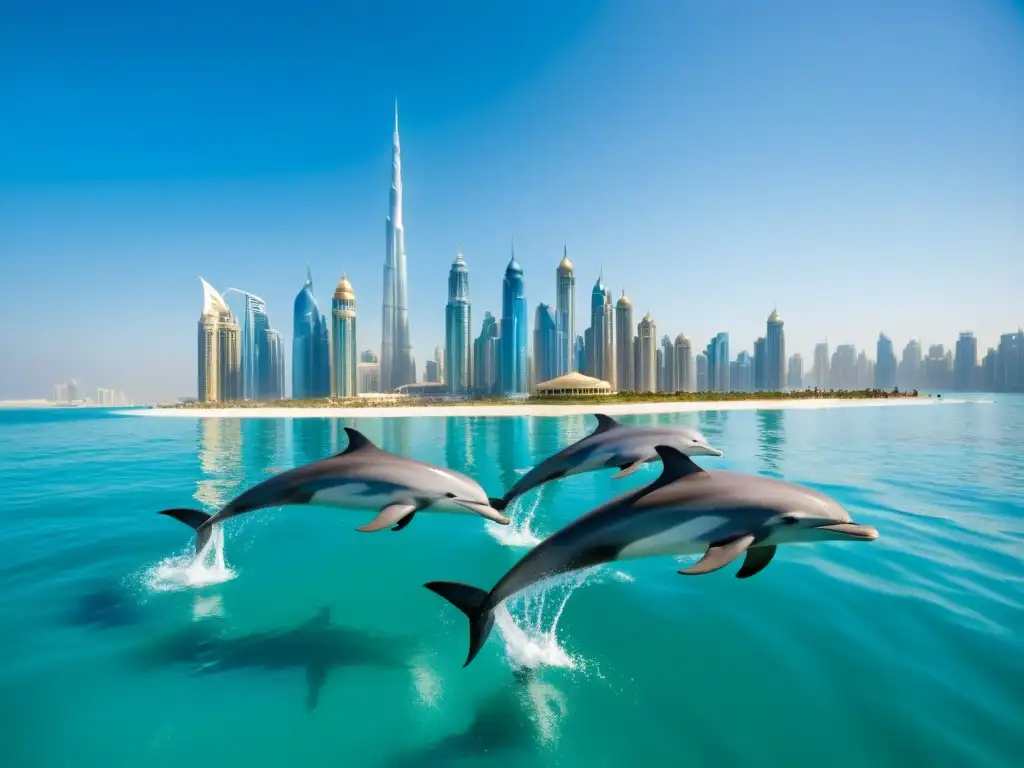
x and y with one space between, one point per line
312 644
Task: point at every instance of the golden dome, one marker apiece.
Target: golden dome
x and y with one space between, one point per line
775 317
344 290
681 338
565 266
623 300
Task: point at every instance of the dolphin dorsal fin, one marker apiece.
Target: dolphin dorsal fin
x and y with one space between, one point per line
357 441
676 464
604 423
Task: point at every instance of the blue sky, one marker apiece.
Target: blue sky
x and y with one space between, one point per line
859 164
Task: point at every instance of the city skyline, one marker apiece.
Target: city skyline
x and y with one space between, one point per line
860 167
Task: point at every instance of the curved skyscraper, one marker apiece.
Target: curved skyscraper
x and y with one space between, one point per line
343 341
513 331
565 315
219 348
397 367
458 346
311 369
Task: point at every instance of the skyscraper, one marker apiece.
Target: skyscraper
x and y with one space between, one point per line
885 363
579 354
486 357
795 378
760 364
625 363
458 343
685 378
513 331
311 366
565 315
775 354
601 348
271 366
219 350
397 366
545 344
717 354
966 362
647 333
700 365
262 371
668 366
822 366
909 374
344 379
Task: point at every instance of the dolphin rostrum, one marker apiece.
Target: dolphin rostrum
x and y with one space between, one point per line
362 476
686 510
613 444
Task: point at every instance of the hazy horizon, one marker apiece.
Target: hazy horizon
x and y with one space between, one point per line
859 166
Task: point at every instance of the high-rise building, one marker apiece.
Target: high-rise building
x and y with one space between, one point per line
486 357
311 352
685 372
344 377
368 372
822 366
966 363
545 344
843 367
513 331
1009 365
885 365
601 345
565 314
717 354
909 373
668 366
624 361
647 334
270 365
458 342
580 354
700 365
795 379
368 356
636 363
937 368
397 366
775 354
741 373
760 364
220 350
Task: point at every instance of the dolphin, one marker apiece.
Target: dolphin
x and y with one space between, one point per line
362 476
612 444
686 510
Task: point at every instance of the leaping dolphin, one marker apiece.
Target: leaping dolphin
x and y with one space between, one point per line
362 476
613 444
685 511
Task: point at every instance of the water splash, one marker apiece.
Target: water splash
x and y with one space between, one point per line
547 706
528 623
185 572
519 532
427 683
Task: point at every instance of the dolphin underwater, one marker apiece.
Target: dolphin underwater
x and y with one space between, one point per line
362 476
612 444
686 510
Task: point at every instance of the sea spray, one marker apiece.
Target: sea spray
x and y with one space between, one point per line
185 571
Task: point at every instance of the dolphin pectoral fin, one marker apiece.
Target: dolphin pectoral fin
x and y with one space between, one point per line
720 555
628 469
404 521
387 517
755 561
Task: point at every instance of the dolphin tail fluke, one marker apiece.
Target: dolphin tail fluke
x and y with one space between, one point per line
498 504
470 601
194 519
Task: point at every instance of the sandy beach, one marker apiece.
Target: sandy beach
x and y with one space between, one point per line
527 409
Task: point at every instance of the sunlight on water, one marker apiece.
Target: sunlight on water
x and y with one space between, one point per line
547 706
184 571
427 683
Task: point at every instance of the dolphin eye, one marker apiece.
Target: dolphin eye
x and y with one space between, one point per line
789 520
696 440
450 495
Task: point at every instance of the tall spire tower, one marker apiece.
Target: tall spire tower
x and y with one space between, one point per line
396 363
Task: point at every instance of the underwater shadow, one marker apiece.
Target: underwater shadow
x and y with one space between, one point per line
317 647
105 605
500 724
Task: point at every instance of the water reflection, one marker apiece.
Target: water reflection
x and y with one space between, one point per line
713 424
312 440
397 436
458 444
513 448
220 459
263 444
770 439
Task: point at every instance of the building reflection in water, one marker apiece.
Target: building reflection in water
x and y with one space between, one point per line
220 461
313 439
263 444
398 435
712 424
513 448
458 443
771 438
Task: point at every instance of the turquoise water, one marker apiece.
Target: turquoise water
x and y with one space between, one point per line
317 645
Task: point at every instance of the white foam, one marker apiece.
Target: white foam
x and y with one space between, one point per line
547 709
519 532
427 683
186 572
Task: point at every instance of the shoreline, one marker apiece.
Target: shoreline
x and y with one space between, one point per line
536 409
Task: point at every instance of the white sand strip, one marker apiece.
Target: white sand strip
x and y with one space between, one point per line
534 409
